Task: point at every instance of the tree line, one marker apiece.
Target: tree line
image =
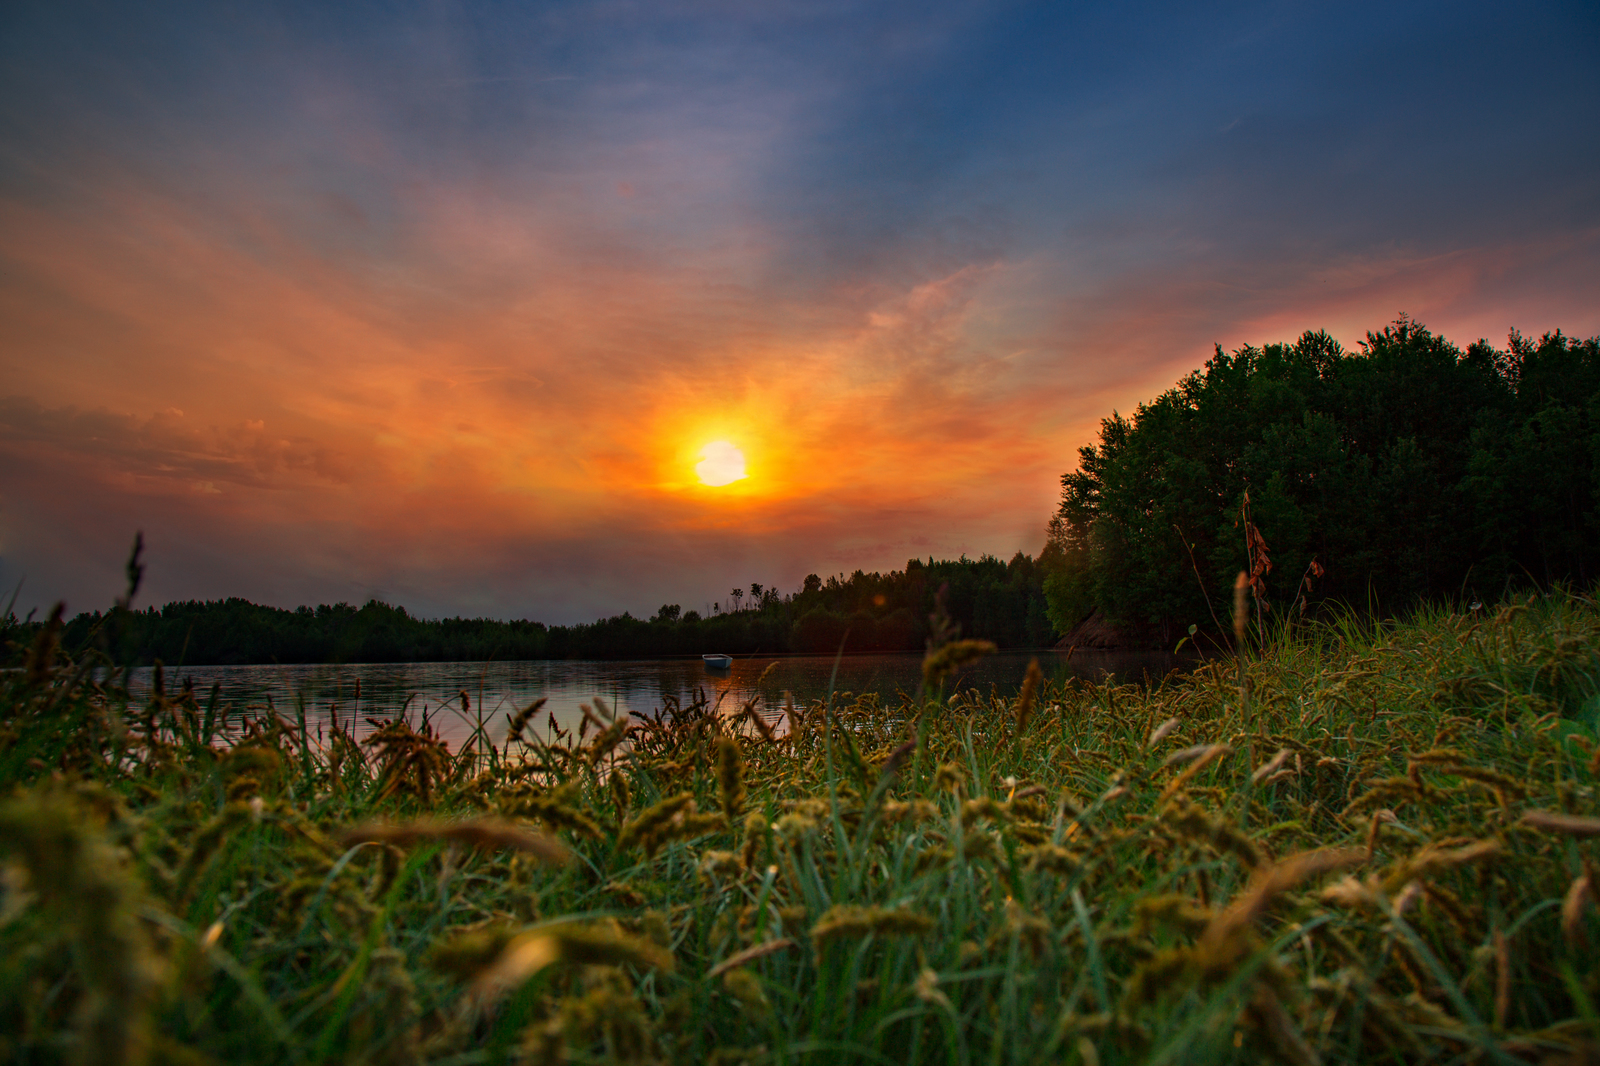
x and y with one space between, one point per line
863 612
1410 469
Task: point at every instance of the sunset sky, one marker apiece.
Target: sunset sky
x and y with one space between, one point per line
442 302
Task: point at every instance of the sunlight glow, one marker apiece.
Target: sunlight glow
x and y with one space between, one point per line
723 464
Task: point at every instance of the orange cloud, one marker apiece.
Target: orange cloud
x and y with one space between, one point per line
518 420
503 411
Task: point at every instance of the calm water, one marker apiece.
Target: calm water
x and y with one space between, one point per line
496 690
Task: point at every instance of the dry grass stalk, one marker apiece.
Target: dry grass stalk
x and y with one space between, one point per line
1241 622
1271 766
1433 858
1205 753
1162 732
1571 824
1502 979
760 722
1241 608
1223 939
1282 1032
1579 898
1198 758
749 955
488 833
896 758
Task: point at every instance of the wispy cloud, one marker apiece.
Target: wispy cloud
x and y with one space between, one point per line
450 301
165 452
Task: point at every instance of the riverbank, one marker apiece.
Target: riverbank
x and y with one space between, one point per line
1367 843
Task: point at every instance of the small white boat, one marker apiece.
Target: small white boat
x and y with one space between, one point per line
718 662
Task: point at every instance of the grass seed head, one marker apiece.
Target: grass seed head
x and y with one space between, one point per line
716 865
554 812
517 724
926 989
745 987
948 778
621 793
653 818
730 776
793 825
1028 928
844 921
606 741
1052 858
977 844
1167 971
77 876
256 761
983 807
206 842
755 835
1194 822
1171 911
942 661
1031 683
521 956
604 943
913 812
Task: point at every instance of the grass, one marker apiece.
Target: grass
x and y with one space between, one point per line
1081 874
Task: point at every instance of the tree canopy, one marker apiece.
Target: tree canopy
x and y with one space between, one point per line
1408 469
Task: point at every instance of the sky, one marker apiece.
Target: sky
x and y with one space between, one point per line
442 303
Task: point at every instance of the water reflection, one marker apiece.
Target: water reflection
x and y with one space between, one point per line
460 697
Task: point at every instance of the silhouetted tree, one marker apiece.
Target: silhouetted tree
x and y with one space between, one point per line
1409 469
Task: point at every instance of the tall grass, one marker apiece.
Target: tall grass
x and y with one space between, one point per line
1092 874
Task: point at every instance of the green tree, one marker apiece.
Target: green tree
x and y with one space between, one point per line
1411 468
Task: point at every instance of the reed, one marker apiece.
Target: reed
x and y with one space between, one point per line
1083 873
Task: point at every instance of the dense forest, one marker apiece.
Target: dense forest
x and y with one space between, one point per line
1408 470
987 598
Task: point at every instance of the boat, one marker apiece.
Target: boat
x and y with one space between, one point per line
718 662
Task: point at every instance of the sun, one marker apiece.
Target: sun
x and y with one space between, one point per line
723 464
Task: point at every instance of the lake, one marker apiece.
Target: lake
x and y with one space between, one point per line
495 690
